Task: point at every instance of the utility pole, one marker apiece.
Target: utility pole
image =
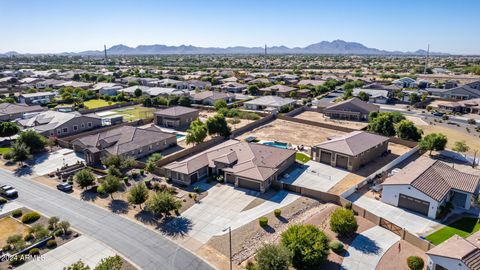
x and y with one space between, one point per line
230 242
105 50
426 60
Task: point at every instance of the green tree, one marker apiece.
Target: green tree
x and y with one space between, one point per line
150 166
197 132
147 102
33 139
184 101
133 83
111 184
110 263
155 157
252 89
8 129
218 125
460 147
84 178
64 225
138 92
433 141
363 96
308 244
162 203
79 265
16 241
112 160
53 222
20 152
138 194
382 125
273 257
413 98
407 130
343 222
415 262
219 104
348 94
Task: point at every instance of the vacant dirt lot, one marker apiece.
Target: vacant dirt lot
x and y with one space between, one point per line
357 176
318 117
204 115
9 227
290 132
454 135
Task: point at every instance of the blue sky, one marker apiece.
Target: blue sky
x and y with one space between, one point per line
68 25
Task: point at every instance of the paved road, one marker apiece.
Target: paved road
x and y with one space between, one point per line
426 115
147 249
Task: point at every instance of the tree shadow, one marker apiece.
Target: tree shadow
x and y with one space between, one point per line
146 217
330 265
89 195
282 219
365 245
268 228
118 206
175 226
22 171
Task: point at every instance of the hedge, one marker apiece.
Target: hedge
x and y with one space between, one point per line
17 213
30 217
34 251
51 243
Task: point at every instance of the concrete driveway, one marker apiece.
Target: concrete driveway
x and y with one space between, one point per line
412 222
50 162
84 248
367 249
223 206
315 175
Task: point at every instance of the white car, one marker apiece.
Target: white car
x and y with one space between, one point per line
8 191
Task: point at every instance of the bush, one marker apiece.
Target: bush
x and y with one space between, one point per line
263 221
343 222
142 172
30 217
2 200
58 233
277 212
17 213
348 205
16 260
336 246
34 252
196 189
100 189
415 263
51 243
6 248
28 237
273 257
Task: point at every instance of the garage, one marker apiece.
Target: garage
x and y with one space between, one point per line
342 161
325 157
230 178
244 183
193 178
414 204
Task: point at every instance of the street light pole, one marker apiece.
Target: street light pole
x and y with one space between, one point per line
230 243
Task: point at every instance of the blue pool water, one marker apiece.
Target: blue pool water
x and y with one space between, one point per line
276 144
179 136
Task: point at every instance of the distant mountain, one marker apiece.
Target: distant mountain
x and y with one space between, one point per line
336 47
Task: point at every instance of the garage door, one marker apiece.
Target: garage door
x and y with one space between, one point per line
230 178
248 184
342 161
194 178
413 204
325 157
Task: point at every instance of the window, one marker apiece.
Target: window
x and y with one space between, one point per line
65 130
89 124
59 131
83 125
75 128
165 142
51 133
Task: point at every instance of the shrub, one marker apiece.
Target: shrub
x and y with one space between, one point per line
308 244
415 263
58 233
172 190
34 252
273 257
336 246
51 243
263 221
2 200
16 260
28 237
343 222
17 213
348 205
277 212
250 266
142 172
100 189
30 217
6 248
196 189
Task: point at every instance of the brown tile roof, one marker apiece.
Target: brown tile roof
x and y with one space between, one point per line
354 104
434 178
212 95
456 247
9 108
353 143
279 88
250 160
175 111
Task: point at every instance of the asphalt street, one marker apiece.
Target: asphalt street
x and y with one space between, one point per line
144 247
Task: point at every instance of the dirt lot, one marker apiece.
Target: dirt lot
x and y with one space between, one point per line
435 103
394 260
453 135
290 132
318 117
10 226
357 176
204 115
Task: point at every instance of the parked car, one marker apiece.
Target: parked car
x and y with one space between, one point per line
65 187
438 114
8 191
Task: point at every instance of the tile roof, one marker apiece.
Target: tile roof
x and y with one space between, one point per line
212 95
353 103
456 247
353 143
434 178
275 101
176 111
9 108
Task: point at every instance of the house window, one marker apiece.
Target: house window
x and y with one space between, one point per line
75 128
165 142
59 131
65 130
89 124
83 125
51 133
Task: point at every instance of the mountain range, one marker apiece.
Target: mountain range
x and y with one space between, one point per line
336 47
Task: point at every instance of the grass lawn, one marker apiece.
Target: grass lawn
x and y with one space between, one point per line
454 135
9 227
4 150
463 227
302 157
97 103
135 113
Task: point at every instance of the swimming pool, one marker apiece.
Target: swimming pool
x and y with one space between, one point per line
179 136
276 144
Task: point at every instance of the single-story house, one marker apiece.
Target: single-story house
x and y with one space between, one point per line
59 124
375 95
426 184
277 89
232 87
75 84
352 109
405 82
463 92
131 90
9 112
456 253
124 141
161 91
269 103
248 165
36 98
209 97
311 82
176 117
350 151
462 106
194 85
108 89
